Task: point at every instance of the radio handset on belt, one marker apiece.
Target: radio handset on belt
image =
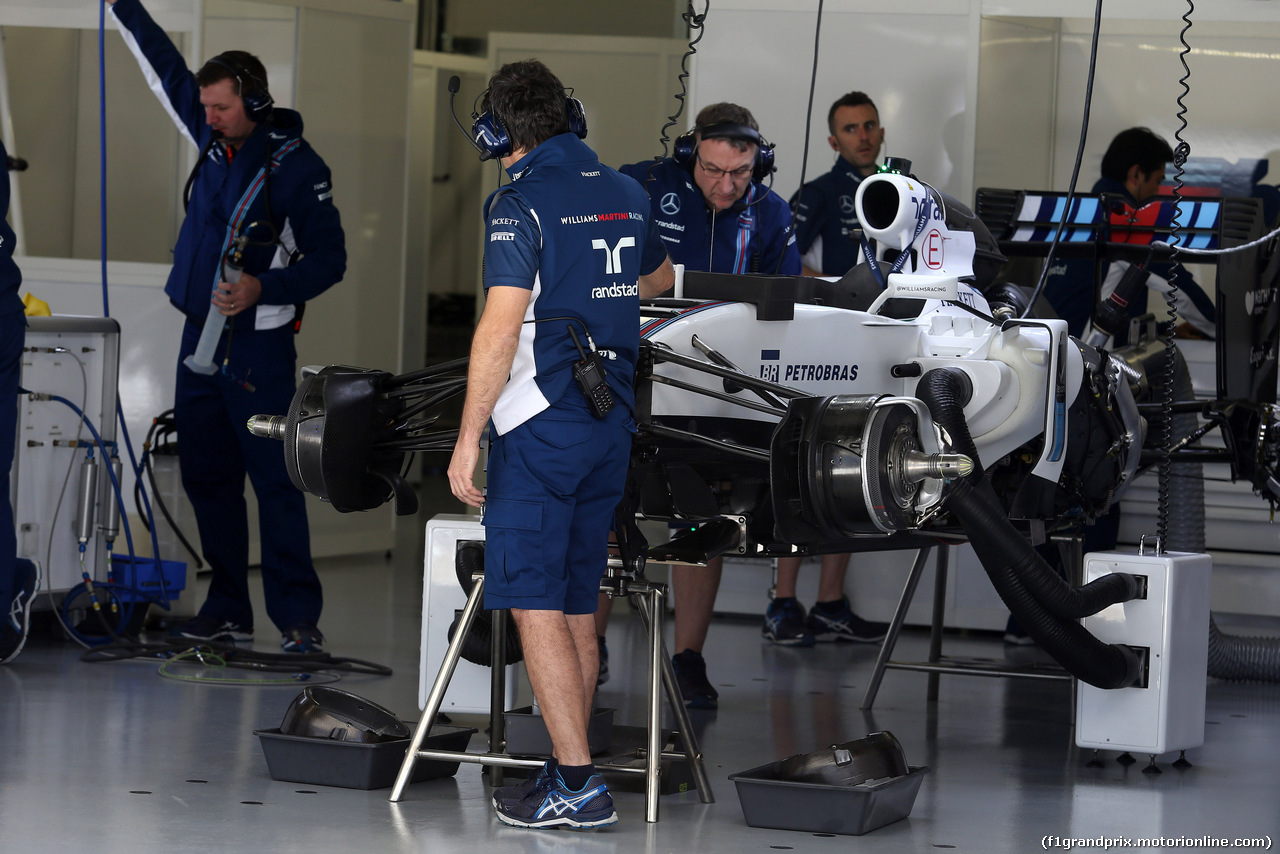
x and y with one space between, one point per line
589 373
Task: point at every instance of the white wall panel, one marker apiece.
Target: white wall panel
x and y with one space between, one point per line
920 69
356 113
1016 108
1234 69
626 85
272 37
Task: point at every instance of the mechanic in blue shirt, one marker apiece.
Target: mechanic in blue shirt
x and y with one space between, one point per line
827 228
1133 167
714 215
258 180
570 248
19 578
710 203
827 233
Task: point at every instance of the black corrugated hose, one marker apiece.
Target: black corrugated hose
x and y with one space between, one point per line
1033 592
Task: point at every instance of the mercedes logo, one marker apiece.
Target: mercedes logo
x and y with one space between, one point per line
846 205
670 204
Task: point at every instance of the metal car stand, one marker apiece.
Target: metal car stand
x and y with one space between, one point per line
649 598
937 663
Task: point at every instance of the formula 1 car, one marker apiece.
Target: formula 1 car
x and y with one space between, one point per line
907 402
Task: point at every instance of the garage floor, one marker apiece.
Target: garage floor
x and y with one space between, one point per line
117 758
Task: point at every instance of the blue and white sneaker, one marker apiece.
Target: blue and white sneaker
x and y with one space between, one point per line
539 779
17 620
553 804
844 625
206 628
784 623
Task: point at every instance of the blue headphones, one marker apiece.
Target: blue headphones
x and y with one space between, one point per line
252 90
685 148
491 138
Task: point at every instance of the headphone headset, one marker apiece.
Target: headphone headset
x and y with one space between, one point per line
685 148
493 141
257 100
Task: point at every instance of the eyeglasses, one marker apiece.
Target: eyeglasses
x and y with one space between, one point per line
715 173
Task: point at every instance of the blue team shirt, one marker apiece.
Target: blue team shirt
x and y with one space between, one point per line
578 235
749 237
10 276
826 219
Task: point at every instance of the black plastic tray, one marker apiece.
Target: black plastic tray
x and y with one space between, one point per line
820 808
527 733
355 765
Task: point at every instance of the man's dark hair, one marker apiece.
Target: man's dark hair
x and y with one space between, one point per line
852 99
1142 147
528 101
726 113
242 64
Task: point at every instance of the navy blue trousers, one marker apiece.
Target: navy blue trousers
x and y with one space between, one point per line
13 331
216 452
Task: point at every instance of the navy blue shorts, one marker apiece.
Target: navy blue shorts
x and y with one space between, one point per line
554 483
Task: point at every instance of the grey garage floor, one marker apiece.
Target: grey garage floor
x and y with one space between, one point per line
115 758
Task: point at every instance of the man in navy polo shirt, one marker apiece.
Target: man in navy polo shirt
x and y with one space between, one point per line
569 250
826 223
714 215
712 209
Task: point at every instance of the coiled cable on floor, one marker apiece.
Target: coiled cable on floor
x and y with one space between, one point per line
233 656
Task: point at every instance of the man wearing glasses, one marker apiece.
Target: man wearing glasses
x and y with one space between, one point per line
714 214
712 209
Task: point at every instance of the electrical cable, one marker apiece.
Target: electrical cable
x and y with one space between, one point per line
804 157
1187 250
119 497
102 447
235 657
1075 169
155 488
120 606
695 22
57 507
1165 329
211 662
102 144
106 312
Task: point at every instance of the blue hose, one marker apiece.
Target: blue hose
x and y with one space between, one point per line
106 312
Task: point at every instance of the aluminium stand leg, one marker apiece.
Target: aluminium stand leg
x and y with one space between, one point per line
653 759
658 655
436 697
939 616
895 627
497 691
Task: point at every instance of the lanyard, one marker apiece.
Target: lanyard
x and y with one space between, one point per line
926 210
